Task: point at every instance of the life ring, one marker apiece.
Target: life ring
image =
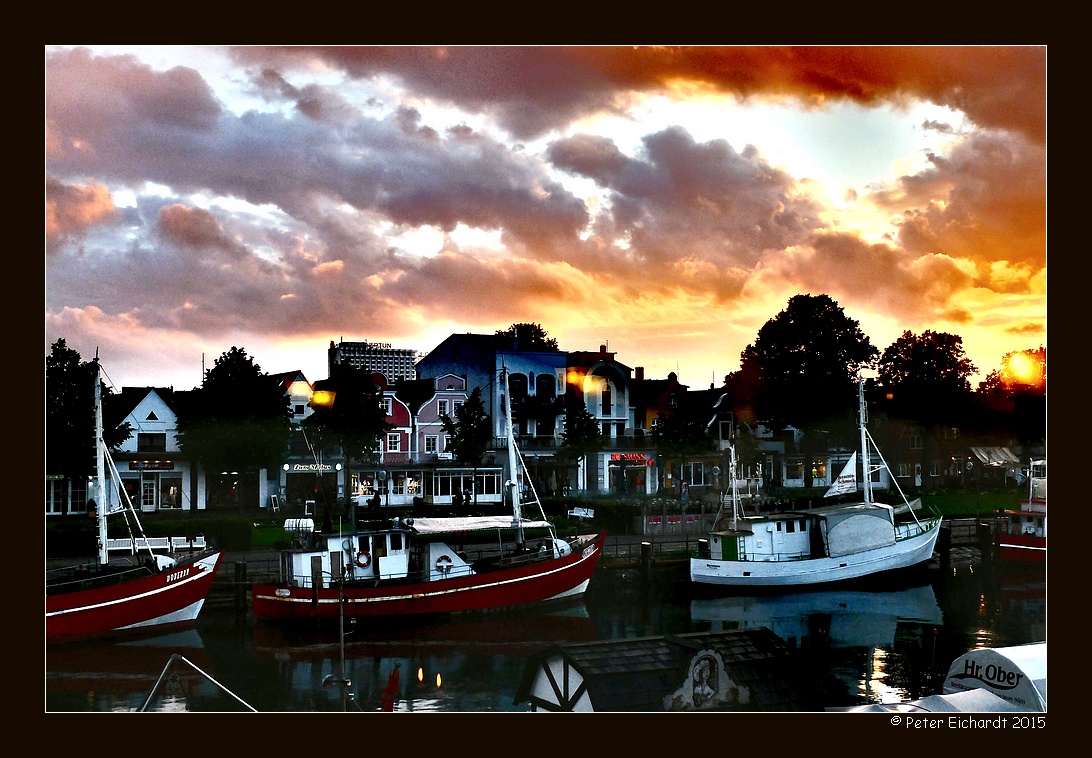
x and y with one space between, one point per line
363 559
443 564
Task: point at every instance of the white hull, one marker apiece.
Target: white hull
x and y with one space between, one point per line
809 571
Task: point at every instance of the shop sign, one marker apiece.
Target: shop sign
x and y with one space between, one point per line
309 468
627 456
151 465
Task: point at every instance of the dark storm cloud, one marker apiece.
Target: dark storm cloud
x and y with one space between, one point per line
532 90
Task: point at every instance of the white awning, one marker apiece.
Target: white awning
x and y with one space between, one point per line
471 524
995 456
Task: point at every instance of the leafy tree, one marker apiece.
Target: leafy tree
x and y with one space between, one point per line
347 413
582 434
806 360
529 336
238 419
347 418
471 433
925 376
70 413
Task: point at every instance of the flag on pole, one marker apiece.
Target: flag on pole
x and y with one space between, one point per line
846 481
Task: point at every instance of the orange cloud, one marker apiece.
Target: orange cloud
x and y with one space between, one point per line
72 209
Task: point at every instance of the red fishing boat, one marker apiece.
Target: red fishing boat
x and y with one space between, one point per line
410 567
1023 537
161 583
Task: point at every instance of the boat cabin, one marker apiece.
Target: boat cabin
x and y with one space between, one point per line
387 555
830 531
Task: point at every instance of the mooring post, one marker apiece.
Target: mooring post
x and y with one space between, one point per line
646 562
240 585
985 543
944 547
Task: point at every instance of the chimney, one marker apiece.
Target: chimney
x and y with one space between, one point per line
639 374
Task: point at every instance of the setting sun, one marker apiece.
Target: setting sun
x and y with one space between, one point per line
1024 367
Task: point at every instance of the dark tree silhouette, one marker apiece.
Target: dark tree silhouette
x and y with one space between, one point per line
925 377
471 432
70 414
582 434
238 419
529 336
347 413
804 363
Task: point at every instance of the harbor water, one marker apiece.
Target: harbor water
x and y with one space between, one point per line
876 645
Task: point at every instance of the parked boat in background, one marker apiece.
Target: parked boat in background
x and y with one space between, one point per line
410 567
820 545
1022 539
145 591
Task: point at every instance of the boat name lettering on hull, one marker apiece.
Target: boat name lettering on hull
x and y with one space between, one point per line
992 674
174 576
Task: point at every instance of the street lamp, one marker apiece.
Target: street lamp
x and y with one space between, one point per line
386 487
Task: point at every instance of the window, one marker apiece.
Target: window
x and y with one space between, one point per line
151 443
694 473
456 406
517 383
441 408
904 470
298 409
386 403
934 469
794 470
605 400
170 492
791 526
916 442
394 442
818 469
431 441
546 385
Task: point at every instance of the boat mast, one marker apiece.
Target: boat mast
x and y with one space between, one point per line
100 469
735 485
513 482
866 475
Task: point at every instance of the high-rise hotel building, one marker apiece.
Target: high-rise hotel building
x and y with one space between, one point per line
393 363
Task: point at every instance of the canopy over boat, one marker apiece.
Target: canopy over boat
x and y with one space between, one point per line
472 524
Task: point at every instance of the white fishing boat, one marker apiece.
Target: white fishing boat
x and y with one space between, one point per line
821 545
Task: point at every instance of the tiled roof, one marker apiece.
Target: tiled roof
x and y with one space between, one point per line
638 674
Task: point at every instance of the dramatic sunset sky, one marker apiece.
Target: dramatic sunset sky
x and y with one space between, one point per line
664 201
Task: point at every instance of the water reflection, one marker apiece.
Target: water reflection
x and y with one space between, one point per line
868 646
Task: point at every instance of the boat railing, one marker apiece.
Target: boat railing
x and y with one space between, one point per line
87 576
906 530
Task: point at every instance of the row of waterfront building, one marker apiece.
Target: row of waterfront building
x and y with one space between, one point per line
414 463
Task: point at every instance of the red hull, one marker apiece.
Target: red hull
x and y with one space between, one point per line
1022 548
507 588
170 598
